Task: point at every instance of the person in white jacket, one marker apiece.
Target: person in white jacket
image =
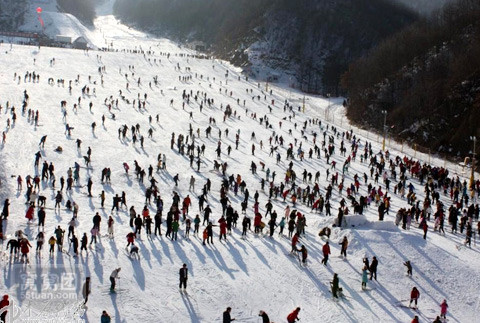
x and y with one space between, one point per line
114 276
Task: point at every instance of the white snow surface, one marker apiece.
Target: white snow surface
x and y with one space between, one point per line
249 275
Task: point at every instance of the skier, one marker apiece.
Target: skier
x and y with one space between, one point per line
4 303
130 239
74 242
71 227
265 318
226 316
183 273
86 289
84 243
14 245
110 227
294 243
52 242
25 248
304 252
293 317
94 233
113 276
205 236
409 267
443 309
246 223
414 295
134 251
133 215
326 231
105 317
42 141
223 228
40 239
344 244
29 214
326 252
364 277
158 222
5 211
196 224
334 285
373 268
425 229
138 225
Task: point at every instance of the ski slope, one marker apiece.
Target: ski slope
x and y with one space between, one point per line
250 274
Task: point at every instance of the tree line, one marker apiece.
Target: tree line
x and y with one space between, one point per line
427 78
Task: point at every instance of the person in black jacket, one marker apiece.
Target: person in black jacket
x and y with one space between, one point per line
373 268
265 318
183 276
138 224
226 316
5 211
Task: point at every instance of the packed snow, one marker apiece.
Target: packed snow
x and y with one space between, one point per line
248 274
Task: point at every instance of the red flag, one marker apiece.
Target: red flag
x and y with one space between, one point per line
41 21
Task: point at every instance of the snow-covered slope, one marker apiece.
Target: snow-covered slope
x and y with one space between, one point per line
250 274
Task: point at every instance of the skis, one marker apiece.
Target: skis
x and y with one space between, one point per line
113 291
412 308
340 295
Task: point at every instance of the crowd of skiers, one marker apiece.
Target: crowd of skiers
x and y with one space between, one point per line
354 193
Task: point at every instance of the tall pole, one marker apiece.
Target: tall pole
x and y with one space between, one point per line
472 176
303 108
384 128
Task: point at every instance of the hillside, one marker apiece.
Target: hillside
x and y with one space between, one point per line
169 84
427 78
307 44
12 14
425 7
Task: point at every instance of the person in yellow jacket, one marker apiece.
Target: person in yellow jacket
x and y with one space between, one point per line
52 242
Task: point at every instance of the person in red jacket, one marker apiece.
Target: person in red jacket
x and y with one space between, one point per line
292 317
29 214
414 295
294 243
131 238
25 248
415 319
425 230
223 228
257 222
4 303
326 252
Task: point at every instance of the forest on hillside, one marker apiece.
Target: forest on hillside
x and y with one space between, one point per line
11 14
427 78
